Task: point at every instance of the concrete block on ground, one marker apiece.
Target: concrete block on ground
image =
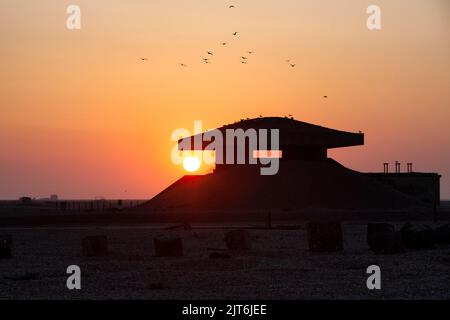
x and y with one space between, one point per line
324 236
5 246
94 246
168 246
238 240
219 255
442 234
382 238
418 236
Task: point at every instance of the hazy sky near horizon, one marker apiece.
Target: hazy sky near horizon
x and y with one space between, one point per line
83 117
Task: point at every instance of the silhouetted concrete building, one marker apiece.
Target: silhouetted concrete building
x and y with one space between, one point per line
306 178
26 200
297 140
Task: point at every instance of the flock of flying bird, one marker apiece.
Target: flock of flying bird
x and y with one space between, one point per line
210 53
243 59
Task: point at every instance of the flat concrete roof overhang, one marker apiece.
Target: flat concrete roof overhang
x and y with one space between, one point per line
292 133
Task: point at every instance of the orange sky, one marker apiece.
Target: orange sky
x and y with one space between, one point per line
82 116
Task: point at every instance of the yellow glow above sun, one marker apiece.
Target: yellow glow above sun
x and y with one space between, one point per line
191 164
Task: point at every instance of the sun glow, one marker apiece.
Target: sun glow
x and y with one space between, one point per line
191 164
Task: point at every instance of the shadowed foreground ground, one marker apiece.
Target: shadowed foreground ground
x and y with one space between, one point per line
278 267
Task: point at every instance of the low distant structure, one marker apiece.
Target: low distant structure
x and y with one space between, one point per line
52 198
306 178
422 186
25 200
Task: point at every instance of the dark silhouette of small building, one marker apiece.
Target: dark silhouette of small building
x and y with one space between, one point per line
25 200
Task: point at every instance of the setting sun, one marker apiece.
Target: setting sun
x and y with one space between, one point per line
191 164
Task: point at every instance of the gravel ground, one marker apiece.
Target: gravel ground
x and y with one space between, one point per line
279 266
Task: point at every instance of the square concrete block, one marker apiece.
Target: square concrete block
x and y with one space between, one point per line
94 246
5 247
324 236
168 246
382 238
418 236
238 240
442 234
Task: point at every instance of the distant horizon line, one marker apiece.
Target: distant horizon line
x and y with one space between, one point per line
112 199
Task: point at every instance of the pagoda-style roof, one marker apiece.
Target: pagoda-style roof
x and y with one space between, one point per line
292 133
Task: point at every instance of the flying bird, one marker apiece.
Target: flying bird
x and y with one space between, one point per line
183 65
144 59
206 60
244 58
325 97
209 52
292 65
231 6
244 62
224 43
235 33
249 52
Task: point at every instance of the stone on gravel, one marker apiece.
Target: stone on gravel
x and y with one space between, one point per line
442 234
382 238
324 236
238 240
417 236
166 246
5 247
94 246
